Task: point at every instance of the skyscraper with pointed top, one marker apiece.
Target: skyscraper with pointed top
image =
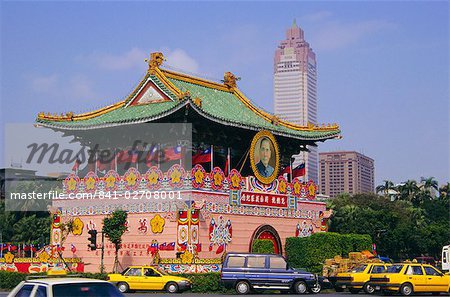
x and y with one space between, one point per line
295 89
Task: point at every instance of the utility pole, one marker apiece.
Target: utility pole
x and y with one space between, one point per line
102 267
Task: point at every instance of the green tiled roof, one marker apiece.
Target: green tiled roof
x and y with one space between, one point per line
218 105
226 107
117 116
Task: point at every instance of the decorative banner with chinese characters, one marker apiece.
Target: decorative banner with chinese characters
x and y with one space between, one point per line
264 199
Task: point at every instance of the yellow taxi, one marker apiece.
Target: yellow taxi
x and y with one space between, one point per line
358 279
410 278
148 278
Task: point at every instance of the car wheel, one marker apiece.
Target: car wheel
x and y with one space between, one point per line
123 287
406 289
172 288
353 290
300 287
368 288
242 288
316 289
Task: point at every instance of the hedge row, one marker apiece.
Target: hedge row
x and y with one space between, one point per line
205 282
263 246
310 252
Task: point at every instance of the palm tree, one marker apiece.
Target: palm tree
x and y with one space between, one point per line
429 185
408 190
444 193
388 185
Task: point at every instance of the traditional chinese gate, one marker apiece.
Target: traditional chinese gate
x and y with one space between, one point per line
269 233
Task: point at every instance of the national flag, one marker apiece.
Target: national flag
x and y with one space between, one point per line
183 247
287 170
76 165
163 246
202 157
153 248
299 170
171 246
152 156
73 248
172 153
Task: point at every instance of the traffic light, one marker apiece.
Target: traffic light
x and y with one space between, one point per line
93 239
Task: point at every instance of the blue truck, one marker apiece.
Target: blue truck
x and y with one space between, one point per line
247 272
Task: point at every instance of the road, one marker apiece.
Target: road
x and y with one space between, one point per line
328 293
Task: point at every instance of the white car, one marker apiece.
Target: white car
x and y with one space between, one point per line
65 287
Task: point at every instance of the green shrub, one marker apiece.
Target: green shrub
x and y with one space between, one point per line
8 280
310 252
205 282
263 246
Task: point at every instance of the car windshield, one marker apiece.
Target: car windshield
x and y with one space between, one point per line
85 290
394 269
359 268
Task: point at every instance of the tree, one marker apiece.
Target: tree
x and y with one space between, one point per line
401 229
444 193
429 185
114 227
408 190
386 187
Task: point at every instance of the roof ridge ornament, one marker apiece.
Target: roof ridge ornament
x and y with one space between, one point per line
156 60
229 79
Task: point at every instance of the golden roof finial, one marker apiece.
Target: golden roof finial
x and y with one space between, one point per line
229 79
156 60
198 102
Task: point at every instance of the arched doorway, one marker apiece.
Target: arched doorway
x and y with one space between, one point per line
269 233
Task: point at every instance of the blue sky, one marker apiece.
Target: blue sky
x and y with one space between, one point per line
382 66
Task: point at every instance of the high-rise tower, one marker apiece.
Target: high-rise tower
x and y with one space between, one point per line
295 89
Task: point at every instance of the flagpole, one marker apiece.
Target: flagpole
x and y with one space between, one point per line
115 160
212 158
95 163
158 152
229 160
290 168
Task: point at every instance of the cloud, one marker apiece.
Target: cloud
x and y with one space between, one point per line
77 86
179 59
336 35
134 58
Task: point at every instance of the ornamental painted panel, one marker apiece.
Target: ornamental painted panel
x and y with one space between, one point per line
220 233
199 175
157 224
176 175
217 178
132 179
112 180
78 226
154 178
